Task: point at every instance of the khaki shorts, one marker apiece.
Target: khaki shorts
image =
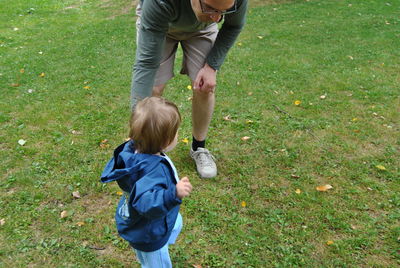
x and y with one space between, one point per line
195 46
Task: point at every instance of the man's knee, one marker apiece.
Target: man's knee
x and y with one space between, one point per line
158 90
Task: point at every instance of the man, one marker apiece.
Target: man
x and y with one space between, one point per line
161 26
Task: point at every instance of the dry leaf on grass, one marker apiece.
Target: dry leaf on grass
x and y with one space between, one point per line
104 144
76 195
2 222
227 118
245 138
324 188
298 191
21 142
380 167
64 214
329 242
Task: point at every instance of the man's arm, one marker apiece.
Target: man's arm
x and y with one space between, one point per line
150 42
230 30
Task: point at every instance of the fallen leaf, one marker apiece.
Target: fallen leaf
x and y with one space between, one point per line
104 144
185 141
350 57
197 266
22 71
63 214
76 195
245 138
42 75
243 204
260 37
240 44
380 167
75 132
250 93
297 102
324 188
355 119
21 142
295 176
2 222
249 121
86 87
15 84
322 97
80 223
189 87
298 191
329 242
227 118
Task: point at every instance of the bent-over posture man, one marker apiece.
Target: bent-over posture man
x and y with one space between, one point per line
161 26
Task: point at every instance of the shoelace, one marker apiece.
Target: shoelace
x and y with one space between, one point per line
204 157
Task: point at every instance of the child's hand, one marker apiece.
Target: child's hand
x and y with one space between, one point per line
183 188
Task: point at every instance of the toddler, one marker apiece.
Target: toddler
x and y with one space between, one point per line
148 215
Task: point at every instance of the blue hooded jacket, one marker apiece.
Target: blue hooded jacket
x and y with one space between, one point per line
148 209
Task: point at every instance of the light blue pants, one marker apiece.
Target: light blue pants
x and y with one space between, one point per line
160 258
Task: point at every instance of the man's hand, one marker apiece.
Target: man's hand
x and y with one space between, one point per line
206 80
183 188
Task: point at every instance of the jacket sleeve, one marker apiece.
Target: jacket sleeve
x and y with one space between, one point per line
154 196
227 35
151 34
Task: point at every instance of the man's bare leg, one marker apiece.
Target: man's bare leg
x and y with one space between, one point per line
202 110
158 90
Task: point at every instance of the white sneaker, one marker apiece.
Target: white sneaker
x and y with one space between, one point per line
205 164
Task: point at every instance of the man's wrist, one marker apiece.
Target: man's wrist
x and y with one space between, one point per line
208 66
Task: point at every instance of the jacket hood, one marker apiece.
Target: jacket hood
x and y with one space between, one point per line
126 167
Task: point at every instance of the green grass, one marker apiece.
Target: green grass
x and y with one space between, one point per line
347 51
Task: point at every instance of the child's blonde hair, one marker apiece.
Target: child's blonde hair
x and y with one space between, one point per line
154 124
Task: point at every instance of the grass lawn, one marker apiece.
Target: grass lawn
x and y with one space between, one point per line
313 85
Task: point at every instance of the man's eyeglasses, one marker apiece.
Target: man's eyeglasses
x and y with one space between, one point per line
206 9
